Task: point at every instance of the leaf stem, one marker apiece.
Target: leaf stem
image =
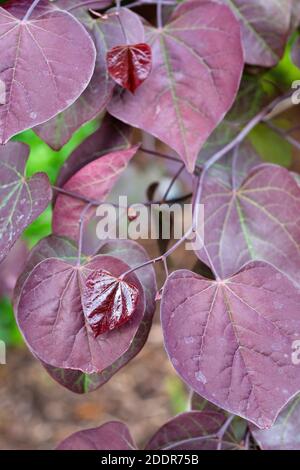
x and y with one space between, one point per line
173 181
30 10
214 159
159 19
283 134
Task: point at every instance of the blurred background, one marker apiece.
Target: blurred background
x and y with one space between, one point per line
36 412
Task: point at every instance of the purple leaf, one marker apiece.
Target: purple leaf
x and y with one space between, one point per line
107 301
284 435
194 430
40 78
129 65
129 252
110 436
51 318
231 340
258 220
22 199
265 28
113 135
94 181
192 84
106 33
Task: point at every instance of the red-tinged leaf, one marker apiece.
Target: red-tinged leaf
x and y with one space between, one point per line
190 431
110 436
125 250
231 340
51 318
94 181
53 77
108 302
129 65
112 135
106 33
284 435
255 220
22 200
296 53
265 28
195 81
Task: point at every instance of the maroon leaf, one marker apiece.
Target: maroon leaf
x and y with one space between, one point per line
93 181
113 135
108 302
284 435
296 52
256 220
105 33
231 340
110 436
129 65
22 199
130 252
265 28
53 78
51 317
192 84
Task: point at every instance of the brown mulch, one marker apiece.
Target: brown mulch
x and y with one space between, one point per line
36 412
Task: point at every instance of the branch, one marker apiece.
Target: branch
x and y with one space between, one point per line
30 10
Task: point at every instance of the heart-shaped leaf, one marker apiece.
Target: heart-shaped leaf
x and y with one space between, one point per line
53 77
22 200
110 436
256 220
112 135
232 340
117 347
93 181
106 33
108 302
284 435
192 84
129 65
265 28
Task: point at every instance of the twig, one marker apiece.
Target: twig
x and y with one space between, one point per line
283 134
30 10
